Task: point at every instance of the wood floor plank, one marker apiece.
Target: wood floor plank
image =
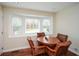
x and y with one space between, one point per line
27 52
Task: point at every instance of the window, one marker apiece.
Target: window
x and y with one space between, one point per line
30 25
46 26
16 25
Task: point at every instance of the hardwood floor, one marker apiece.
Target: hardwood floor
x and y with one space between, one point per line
27 52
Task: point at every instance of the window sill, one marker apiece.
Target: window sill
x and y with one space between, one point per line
20 36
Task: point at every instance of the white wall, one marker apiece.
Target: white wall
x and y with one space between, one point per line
1 30
67 22
17 42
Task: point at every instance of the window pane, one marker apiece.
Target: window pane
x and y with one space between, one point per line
46 25
32 25
16 25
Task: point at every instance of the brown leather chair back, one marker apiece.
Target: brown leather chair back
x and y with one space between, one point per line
62 37
62 48
31 45
35 50
40 34
30 42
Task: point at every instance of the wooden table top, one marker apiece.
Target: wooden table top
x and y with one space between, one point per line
51 40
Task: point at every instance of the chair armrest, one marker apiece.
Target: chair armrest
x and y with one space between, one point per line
33 47
40 47
51 50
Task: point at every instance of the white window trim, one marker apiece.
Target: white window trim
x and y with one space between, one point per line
32 34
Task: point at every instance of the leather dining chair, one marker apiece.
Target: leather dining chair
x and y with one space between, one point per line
36 50
60 50
62 37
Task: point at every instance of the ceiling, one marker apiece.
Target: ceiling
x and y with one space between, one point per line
40 6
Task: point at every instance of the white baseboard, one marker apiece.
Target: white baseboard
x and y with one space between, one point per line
73 51
14 49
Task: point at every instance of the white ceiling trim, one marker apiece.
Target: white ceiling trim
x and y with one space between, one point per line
41 6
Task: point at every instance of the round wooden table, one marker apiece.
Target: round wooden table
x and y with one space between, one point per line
48 41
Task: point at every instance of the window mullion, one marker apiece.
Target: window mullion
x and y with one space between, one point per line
41 25
51 24
23 26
